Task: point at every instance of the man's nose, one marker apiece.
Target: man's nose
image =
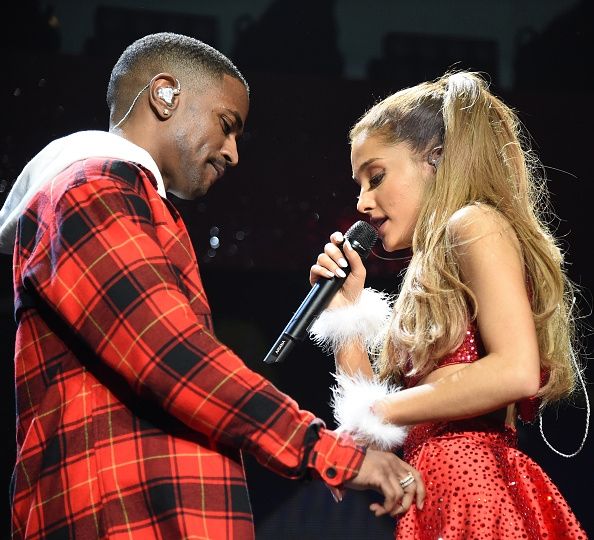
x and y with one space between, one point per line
230 152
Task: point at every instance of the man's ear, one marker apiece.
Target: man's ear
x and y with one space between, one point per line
164 91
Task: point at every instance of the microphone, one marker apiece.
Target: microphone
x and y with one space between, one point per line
362 237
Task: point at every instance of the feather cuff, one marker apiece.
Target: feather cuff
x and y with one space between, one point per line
352 401
360 322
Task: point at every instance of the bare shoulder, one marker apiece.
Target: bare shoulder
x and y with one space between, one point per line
479 221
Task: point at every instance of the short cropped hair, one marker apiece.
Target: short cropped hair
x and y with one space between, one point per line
164 52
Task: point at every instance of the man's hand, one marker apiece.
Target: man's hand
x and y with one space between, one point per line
384 472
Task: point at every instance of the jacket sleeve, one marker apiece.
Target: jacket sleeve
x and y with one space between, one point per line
102 271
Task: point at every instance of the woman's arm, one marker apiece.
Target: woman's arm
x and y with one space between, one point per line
351 357
352 360
491 265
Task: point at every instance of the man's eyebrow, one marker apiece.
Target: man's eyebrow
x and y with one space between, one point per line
363 165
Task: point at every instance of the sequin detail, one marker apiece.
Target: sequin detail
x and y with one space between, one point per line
480 486
469 351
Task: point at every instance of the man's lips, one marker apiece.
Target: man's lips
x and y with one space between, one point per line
218 167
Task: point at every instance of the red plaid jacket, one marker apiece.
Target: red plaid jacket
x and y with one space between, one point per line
131 414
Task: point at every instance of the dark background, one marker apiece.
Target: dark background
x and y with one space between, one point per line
313 68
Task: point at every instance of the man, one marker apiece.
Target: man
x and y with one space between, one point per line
131 415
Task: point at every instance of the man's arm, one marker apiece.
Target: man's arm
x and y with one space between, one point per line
103 272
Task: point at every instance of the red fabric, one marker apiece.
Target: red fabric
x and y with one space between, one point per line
479 486
469 351
131 414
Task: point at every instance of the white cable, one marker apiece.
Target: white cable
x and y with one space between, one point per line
583 384
133 103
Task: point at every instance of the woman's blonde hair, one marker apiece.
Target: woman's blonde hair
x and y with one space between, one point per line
486 159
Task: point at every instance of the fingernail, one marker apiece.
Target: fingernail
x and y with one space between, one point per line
348 245
342 262
340 273
339 237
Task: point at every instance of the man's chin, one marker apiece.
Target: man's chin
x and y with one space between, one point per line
190 193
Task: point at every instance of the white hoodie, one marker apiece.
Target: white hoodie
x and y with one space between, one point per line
53 159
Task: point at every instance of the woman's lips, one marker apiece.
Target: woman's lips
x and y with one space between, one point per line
379 224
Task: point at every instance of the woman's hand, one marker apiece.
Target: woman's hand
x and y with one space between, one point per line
333 262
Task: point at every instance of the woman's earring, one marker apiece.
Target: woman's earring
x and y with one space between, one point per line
166 112
434 157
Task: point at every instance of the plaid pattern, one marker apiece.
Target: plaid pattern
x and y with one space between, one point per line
131 414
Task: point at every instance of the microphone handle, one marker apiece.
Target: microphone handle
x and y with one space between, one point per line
314 303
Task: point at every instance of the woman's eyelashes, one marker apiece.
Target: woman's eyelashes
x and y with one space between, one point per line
376 180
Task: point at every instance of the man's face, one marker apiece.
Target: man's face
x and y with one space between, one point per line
202 139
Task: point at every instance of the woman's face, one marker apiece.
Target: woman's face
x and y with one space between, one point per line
392 179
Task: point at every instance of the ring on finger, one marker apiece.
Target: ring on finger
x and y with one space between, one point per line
407 480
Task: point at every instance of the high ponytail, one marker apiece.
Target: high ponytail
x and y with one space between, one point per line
486 160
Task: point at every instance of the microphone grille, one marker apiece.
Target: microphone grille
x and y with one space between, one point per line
362 237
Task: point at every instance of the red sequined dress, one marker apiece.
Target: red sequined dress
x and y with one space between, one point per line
479 485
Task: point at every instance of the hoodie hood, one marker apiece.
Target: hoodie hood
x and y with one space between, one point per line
53 159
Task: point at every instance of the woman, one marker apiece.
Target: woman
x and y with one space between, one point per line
481 330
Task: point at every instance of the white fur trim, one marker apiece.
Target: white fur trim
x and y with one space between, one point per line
359 322
352 401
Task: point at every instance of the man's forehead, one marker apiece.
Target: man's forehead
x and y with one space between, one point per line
234 96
